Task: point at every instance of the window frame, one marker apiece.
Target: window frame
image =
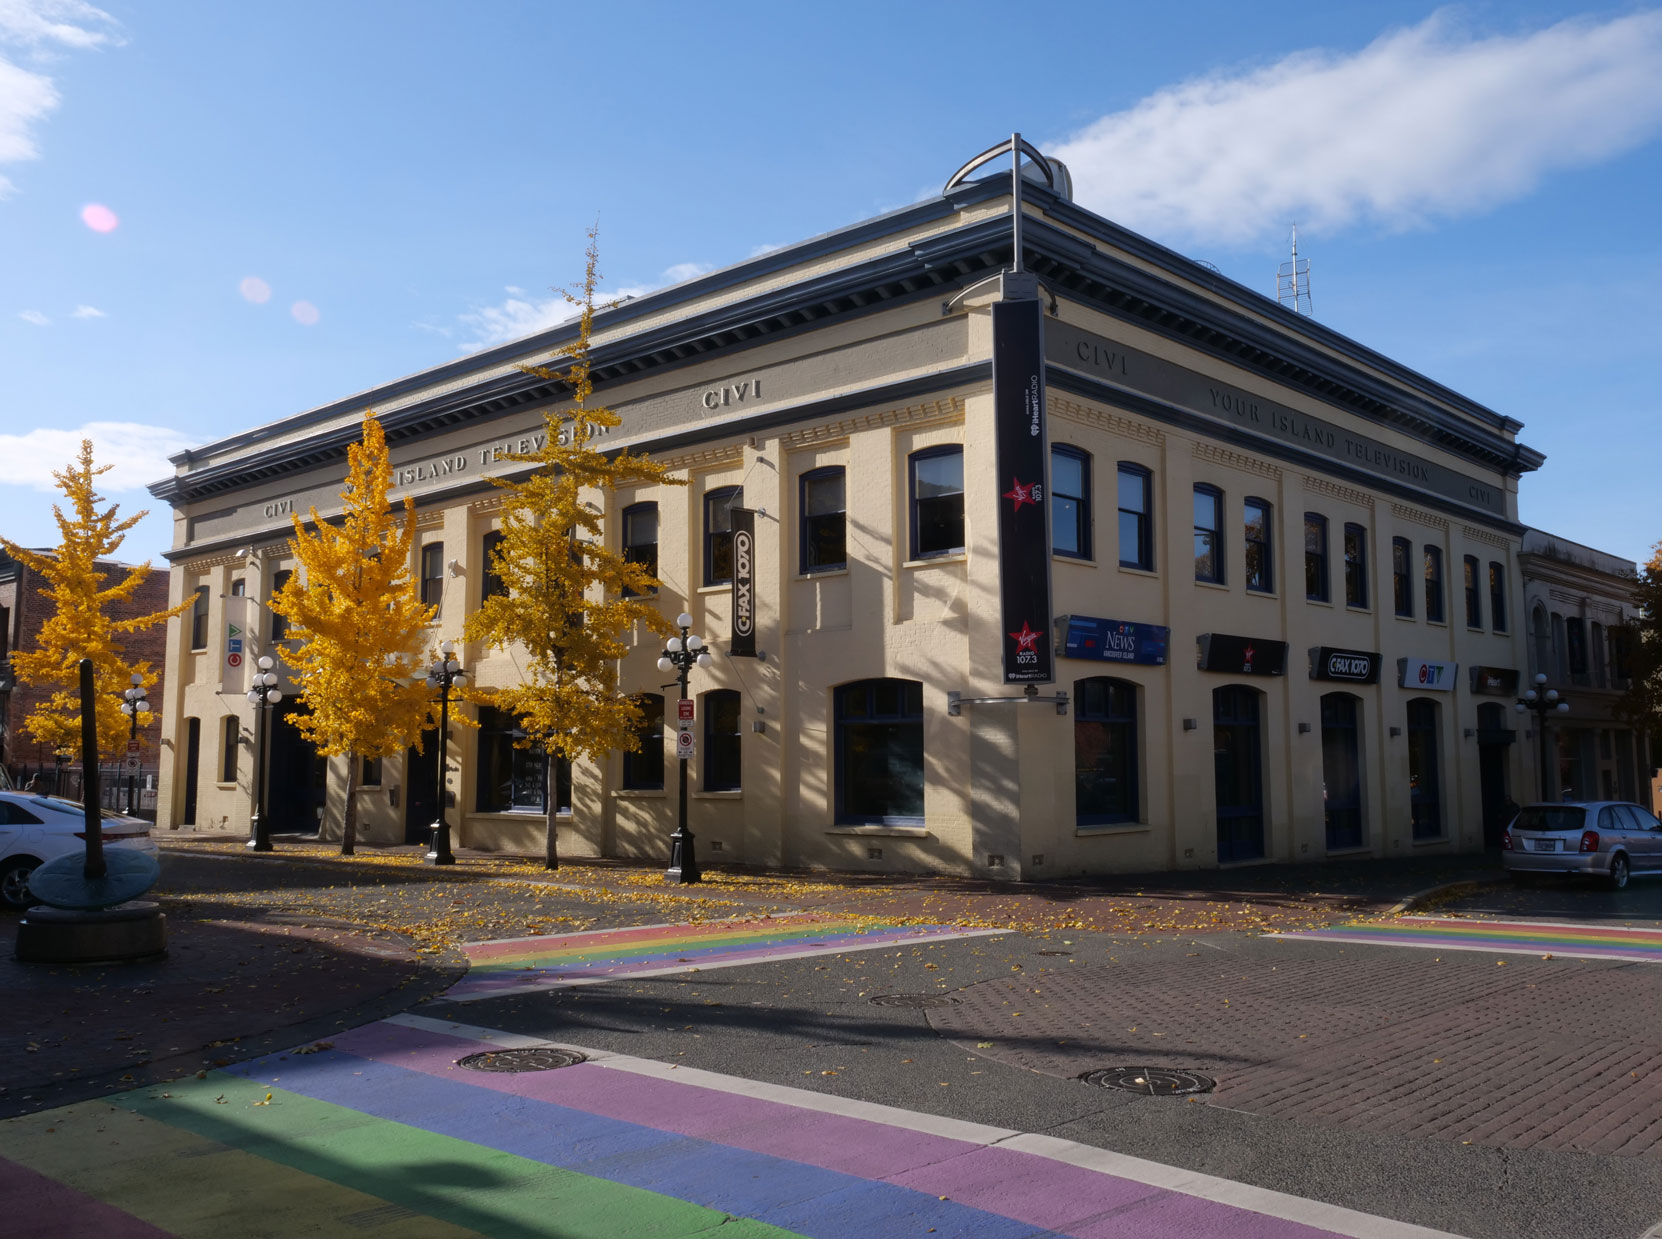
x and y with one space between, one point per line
491 584
199 619
1497 596
1318 560
1435 586
731 497
840 729
1143 517
497 726
1266 545
1131 725
1356 567
279 623
1082 502
913 500
1402 577
1214 532
634 552
806 521
720 771
1472 581
432 581
639 766
230 748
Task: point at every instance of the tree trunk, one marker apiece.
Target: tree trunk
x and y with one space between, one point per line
551 859
349 814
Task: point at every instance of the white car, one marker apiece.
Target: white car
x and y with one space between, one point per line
34 829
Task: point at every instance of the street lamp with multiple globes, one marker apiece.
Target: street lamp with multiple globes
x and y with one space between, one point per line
444 672
681 654
264 695
133 704
1542 701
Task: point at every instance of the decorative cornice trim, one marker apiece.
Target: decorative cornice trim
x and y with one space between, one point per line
1102 419
1232 459
1485 536
1345 494
1420 516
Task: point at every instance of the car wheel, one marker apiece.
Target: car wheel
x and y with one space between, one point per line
14 882
1618 872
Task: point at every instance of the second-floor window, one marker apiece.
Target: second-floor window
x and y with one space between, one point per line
1208 549
432 574
1497 596
1434 584
718 533
824 520
279 623
1356 566
640 536
1402 576
1474 592
199 619
937 502
1070 502
1136 502
1315 557
1260 567
490 580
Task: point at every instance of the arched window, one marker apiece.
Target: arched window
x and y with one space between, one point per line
1425 797
644 770
1342 771
722 769
879 752
1105 751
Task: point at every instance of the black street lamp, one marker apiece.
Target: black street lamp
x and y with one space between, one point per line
681 654
1542 701
264 695
60 759
132 705
444 672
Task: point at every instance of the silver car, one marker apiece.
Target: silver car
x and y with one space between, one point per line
1609 839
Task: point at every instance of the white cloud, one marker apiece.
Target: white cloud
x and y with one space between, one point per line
35 317
519 315
39 27
686 271
1423 123
88 311
138 453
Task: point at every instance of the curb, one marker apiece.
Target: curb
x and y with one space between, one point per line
1418 899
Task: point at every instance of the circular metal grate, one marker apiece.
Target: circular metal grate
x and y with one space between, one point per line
1150 1081
919 1001
538 1058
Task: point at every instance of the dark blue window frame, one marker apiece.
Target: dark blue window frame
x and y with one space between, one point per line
1065 503
823 540
723 768
643 770
1209 536
718 533
939 506
636 551
889 706
1138 522
1111 705
1356 566
1260 549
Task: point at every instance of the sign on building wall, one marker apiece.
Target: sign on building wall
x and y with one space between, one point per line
1495 681
1023 507
1349 666
1110 640
1419 673
743 642
1220 651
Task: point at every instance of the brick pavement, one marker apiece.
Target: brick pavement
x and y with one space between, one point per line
1515 1053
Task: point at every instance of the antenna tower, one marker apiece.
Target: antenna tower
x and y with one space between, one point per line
1292 282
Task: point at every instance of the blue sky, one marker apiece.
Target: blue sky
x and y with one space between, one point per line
310 199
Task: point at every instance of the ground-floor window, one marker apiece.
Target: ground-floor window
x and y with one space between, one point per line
511 778
1425 799
1341 772
1237 772
644 770
879 752
722 771
1105 751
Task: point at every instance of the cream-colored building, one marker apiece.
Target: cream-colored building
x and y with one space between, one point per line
1281 561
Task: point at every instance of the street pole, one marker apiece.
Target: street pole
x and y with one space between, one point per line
264 695
132 705
444 672
92 815
1542 701
680 654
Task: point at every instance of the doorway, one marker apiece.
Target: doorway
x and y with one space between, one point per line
1238 773
297 777
1493 738
1341 772
421 773
193 762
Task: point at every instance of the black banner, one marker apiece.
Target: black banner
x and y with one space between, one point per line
743 643
1350 666
1219 651
1023 509
1494 681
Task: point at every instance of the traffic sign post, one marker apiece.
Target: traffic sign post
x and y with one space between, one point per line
684 742
684 709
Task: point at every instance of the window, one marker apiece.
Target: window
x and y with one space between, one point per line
199 619
1260 571
1621 655
491 584
1315 558
640 539
562 785
1208 515
1434 584
879 752
1474 593
279 623
1402 580
1356 566
239 587
1070 501
1575 641
644 770
1341 772
1136 517
937 488
722 771
1104 751
1497 597
1425 800
1560 659
432 574
230 744
718 533
1541 639
824 521
370 774
512 773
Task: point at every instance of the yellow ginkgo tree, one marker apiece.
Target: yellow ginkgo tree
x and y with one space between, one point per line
567 599
357 626
81 625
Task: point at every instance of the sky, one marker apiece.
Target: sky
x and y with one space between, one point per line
215 215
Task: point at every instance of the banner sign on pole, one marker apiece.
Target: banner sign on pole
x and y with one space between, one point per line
1023 508
743 642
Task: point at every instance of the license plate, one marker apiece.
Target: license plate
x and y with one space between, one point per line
1546 845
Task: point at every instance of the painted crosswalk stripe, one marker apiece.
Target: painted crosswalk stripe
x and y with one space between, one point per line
1505 937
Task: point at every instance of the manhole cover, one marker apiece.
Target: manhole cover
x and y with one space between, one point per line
539 1058
1053 952
919 1001
1150 1081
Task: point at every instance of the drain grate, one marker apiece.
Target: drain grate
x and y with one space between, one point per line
1053 952
1150 1081
922 1002
537 1058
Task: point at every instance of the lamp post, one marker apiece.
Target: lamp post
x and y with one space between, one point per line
444 671
1541 701
263 695
60 759
680 655
132 705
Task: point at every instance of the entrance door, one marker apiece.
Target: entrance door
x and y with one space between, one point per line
1341 772
421 805
1238 774
193 762
1493 737
297 779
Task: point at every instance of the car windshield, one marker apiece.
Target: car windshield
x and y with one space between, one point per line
1550 817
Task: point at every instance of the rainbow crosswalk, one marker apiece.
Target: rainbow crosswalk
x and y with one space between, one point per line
522 965
383 1134
1556 938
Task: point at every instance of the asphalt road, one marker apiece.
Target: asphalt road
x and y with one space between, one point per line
809 1023
1569 899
